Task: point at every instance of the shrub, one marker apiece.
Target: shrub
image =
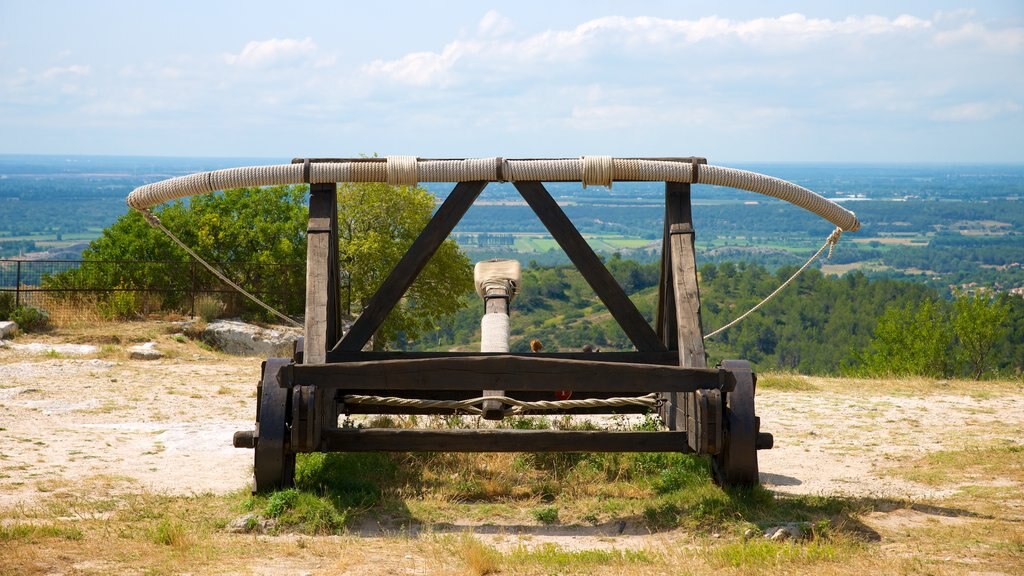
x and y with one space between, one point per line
6 305
209 308
122 305
30 318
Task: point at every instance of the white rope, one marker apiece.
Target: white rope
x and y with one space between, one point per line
494 332
471 405
402 170
407 170
830 243
598 171
155 222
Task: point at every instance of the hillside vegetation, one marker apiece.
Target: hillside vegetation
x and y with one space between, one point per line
821 324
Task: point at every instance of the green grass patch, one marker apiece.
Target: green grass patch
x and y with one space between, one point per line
764 554
31 533
558 561
785 382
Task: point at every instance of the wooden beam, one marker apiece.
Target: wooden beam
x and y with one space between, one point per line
488 440
411 264
590 266
322 307
687 296
688 322
502 372
677 211
663 358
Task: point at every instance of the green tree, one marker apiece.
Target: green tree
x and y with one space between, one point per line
979 322
377 224
248 231
911 341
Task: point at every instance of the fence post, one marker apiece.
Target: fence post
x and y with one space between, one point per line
192 314
17 286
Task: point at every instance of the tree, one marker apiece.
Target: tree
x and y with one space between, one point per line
250 232
911 341
377 224
979 322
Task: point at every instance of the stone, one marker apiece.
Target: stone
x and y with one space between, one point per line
8 328
241 339
788 531
145 351
248 523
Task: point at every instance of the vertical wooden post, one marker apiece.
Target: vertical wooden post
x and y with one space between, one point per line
677 211
323 309
690 331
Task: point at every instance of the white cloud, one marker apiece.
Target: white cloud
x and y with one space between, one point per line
494 24
421 68
976 111
619 36
275 52
971 33
65 71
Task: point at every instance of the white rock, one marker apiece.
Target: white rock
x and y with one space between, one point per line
145 351
243 339
7 328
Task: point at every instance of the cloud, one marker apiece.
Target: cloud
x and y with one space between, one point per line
65 71
972 33
276 52
618 37
494 24
976 111
420 68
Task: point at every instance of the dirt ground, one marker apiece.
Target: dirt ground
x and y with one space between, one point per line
165 426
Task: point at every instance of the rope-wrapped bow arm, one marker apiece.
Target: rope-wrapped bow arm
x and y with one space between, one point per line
410 170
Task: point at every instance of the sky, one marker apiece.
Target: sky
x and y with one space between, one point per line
742 81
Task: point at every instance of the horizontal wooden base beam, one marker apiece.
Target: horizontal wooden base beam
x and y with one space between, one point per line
504 372
400 440
658 358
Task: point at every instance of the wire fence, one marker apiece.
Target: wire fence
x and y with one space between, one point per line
84 290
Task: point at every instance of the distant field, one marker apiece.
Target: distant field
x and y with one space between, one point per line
600 243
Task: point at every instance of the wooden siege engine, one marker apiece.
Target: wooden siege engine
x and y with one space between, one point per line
705 410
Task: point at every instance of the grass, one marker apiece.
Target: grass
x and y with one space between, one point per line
785 382
1003 462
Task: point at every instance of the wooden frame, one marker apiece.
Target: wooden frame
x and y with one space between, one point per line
695 403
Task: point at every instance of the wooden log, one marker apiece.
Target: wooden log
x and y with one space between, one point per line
662 358
411 264
401 440
593 271
502 372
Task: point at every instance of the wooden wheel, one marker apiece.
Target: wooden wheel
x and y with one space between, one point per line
274 466
736 463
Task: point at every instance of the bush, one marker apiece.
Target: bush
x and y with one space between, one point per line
122 305
209 308
30 318
6 305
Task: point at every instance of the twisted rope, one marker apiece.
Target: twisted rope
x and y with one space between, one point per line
471 405
156 223
407 170
830 243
